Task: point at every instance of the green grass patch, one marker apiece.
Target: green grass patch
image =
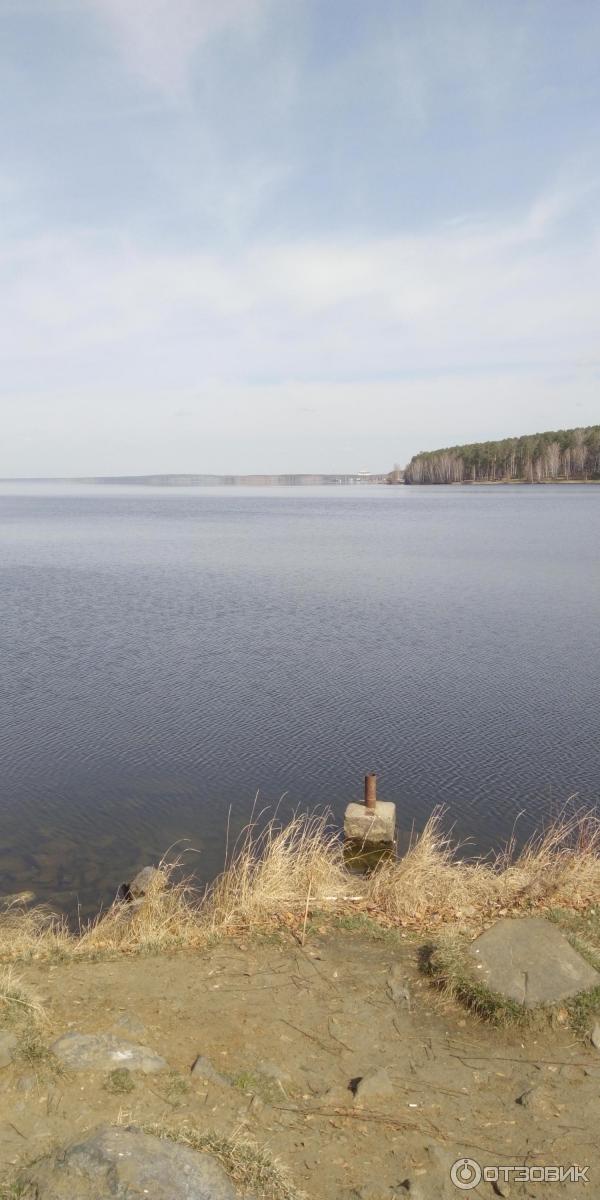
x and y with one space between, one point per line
173 1088
119 1082
33 1052
252 1083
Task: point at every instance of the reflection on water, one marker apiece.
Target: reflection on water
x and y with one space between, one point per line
166 655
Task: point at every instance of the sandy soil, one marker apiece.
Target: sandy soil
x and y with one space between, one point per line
292 1027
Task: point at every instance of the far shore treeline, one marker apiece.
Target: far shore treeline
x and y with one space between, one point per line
563 454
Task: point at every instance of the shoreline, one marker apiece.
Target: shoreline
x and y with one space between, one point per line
292 1025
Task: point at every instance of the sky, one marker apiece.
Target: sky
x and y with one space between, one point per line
294 235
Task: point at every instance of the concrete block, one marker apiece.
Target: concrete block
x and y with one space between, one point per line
371 826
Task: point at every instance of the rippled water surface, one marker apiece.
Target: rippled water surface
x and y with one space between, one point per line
167 654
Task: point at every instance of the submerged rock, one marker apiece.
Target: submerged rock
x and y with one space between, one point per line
126 1164
529 960
103 1052
146 880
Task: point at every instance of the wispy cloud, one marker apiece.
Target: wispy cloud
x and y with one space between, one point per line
479 293
159 39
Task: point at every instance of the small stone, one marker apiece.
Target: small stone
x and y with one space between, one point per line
8 1045
595 1036
203 1069
535 1099
103 1052
375 1084
398 987
500 1188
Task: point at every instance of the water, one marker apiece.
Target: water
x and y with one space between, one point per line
167 654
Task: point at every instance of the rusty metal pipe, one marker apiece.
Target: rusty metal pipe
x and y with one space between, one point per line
371 790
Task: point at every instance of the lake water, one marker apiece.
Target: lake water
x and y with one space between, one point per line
166 654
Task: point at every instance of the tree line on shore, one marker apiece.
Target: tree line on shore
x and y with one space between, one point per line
558 454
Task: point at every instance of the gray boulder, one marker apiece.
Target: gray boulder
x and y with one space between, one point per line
126 1164
104 1052
529 960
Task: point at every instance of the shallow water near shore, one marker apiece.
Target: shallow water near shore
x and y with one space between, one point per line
168 653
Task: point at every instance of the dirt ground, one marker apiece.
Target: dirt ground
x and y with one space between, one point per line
292 1029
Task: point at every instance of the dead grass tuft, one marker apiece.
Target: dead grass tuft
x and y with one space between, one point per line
251 1167
167 917
18 1002
282 874
31 932
278 868
433 885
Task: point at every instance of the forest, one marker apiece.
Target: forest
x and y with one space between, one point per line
563 454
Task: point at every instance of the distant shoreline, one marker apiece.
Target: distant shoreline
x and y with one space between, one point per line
340 479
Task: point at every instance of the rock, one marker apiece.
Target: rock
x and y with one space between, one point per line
398 988
149 879
203 1069
529 960
595 1036
131 1024
375 1084
535 1099
432 1181
8 1045
103 1052
113 1163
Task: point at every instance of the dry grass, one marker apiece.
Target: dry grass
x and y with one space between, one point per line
28 932
18 1002
433 885
278 869
251 1168
168 916
277 875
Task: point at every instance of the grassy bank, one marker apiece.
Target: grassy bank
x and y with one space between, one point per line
280 877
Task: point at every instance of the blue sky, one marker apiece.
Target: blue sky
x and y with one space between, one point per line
263 235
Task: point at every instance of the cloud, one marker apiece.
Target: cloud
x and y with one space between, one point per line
159 39
474 295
